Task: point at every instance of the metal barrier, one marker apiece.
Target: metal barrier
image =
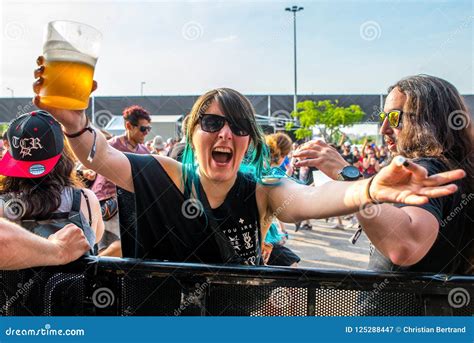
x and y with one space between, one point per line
125 287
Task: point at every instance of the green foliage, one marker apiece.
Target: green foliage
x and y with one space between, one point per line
327 115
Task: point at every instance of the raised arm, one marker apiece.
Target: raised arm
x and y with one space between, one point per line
107 161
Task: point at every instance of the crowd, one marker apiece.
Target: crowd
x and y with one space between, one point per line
248 184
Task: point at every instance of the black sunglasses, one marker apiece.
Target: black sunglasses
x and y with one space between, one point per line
144 128
214 122
394 117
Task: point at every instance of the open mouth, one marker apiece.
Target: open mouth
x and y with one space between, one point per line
222 155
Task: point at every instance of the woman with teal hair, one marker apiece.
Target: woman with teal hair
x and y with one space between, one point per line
217 205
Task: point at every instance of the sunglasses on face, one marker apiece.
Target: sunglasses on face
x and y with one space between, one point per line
394 117
144 128
214 122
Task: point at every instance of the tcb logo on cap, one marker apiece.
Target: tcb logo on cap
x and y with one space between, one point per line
26 145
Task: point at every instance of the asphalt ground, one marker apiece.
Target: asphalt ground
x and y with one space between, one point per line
328 247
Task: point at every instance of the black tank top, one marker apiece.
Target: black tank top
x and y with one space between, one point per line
172 228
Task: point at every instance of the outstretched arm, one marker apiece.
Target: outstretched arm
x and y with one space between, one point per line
400 182
23 249
108 161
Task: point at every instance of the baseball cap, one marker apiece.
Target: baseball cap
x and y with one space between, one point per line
347 143
36 143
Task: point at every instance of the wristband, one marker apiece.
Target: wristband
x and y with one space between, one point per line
79 133
367 192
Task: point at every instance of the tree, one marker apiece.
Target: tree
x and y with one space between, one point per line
325 114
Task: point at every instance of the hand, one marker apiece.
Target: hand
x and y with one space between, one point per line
266 251
72 120
403 181
71 243
89 174
322 156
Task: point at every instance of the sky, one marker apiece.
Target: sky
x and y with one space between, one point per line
189 47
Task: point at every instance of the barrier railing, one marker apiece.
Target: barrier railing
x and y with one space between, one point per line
125 287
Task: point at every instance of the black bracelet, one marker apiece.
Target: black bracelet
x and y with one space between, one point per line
91 130
77 134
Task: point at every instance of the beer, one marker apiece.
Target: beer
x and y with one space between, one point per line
67 84
70 52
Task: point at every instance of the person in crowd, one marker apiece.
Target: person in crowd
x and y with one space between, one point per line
137 125
384 155
158 146
370 164
280 146
358 159
347 154
434 235
176 152
39 183
23 249
225 176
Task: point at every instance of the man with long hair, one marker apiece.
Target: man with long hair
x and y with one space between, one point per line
425 119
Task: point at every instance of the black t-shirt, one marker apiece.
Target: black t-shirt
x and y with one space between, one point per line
176 229
349 158
455 217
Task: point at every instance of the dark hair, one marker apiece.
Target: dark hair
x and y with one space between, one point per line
134 113
43 195
438 124
237 109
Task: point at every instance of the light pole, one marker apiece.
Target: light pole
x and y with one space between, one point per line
294 9
141 87
12 91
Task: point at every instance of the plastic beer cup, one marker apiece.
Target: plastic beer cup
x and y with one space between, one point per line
70 50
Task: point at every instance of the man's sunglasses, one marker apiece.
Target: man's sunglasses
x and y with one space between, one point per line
214 122
144 128
394 117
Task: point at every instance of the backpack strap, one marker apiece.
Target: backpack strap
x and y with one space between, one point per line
76 203
88 206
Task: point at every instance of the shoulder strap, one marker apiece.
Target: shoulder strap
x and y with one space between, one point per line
228 253
88 206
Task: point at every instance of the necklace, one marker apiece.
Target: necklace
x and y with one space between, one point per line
128 143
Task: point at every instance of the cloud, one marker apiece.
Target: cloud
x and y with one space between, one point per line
225 39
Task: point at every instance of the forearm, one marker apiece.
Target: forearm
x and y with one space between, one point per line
23 249
82 146
332 199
